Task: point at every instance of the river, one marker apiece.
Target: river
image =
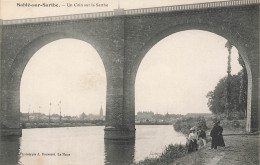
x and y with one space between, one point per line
85 146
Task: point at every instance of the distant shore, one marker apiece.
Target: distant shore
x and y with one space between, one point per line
59 124
75 124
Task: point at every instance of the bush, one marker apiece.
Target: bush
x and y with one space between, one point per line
236 124
186 124
171 153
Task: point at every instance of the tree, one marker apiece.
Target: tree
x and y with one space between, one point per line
243 87
217 97
229 46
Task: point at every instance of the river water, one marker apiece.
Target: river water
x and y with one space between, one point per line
85 146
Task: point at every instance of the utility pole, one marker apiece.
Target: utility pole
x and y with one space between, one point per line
229 46
29 112
60 110
39 113
50 113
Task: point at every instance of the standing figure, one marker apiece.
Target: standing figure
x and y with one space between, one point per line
202 136
220 136
214 134
193 138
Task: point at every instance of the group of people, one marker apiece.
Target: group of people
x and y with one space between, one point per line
196 136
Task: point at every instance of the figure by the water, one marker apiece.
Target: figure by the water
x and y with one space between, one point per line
192 140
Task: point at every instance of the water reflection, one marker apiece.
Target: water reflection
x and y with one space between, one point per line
9 150
119 152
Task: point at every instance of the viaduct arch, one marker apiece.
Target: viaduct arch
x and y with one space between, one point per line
20 62
122 38
237 42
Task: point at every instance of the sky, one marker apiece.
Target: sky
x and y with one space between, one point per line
185 65
178 72
66 70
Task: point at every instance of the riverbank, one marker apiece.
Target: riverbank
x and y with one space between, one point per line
170 153
240 149
234 134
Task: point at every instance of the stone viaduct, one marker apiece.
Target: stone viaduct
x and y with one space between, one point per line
122 38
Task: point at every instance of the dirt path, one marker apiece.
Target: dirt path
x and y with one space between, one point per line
216 159
240 150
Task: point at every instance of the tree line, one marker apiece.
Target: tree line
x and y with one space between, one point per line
229 98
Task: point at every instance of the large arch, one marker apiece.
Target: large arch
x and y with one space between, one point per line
237 41
21 41
12 89
190 55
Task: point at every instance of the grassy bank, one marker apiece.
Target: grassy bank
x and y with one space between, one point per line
171 153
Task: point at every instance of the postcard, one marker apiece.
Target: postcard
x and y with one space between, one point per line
121 82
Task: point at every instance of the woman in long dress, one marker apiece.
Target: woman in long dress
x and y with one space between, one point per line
214 135
220 136
192 140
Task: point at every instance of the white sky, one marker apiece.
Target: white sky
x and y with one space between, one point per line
66 70
178 72
185 65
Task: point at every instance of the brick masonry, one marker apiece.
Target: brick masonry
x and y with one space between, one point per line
122 41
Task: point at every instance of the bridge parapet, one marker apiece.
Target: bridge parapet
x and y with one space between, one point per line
133 11
59 18
191 6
